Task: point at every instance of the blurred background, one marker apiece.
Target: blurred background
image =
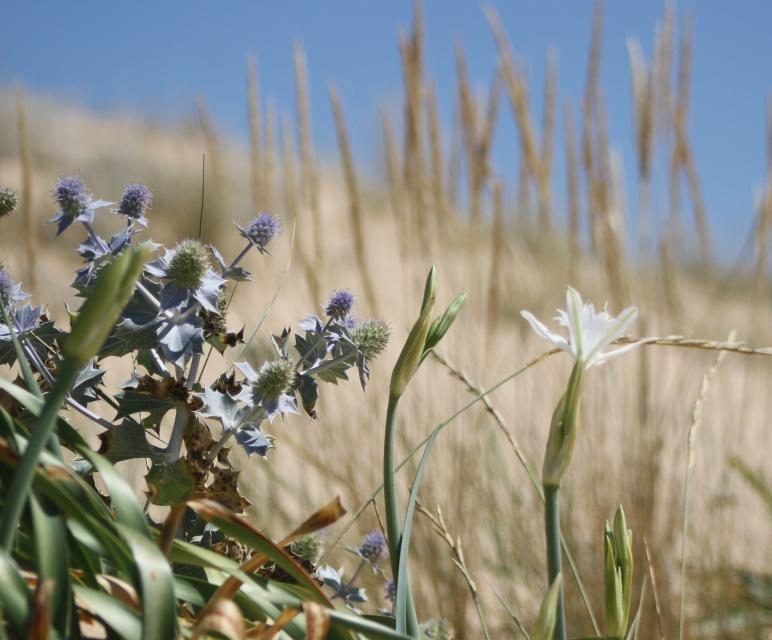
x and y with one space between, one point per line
623 149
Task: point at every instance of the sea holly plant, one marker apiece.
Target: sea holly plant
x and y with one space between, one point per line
589 335
175 315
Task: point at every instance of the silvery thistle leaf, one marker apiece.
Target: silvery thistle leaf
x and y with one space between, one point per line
589 331
29 322
84 388
236 273
180 340
334 579
254 440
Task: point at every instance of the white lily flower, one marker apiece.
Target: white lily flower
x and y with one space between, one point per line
589 331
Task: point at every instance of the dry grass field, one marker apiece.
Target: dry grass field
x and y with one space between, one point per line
443 202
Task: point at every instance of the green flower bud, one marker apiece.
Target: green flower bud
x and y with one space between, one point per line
618 575
413 350
274 379
190 262
8 202
371 337
438 629
111 292
563 429
307 548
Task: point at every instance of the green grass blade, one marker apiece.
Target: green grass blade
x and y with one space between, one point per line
52 558
119 617
156 585
14 595
403 577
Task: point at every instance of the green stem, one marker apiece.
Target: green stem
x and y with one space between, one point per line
552 534
22 478
393 527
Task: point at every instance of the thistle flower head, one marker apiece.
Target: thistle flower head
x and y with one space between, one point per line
264 228
373 546
340 304
438 629
6 286
71 195
188 265
371 337
589 331
10 291
8 202
390 589
135 201
274 379
307 548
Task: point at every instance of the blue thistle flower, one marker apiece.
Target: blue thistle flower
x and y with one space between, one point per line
373 547
264 228
391 590
75 202
71 196
340 304
10 291
8 202
135 202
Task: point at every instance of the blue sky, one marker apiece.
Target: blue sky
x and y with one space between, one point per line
158 57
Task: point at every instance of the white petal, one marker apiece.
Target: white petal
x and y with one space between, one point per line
543 332
606 355
574 307
620 325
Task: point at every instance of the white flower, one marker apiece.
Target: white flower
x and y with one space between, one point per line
589 331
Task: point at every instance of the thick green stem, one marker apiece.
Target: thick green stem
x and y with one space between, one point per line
393 520
552 534
21 484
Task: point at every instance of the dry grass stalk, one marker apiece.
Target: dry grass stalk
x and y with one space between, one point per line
517 90
477 133
355 201
394 181
215 185
271 156
572 186
454 163
764 224
662 65
291 208
610 233
668 279
694 427
310 175
435 146
644 101
32 242
683 152
497 256
411 52
523 197
441 529
255 141
548 132
589 103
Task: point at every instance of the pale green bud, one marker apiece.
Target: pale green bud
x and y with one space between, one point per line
563 430
618 575
113 288
413 350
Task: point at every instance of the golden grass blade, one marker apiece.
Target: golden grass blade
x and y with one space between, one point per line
255 132
572 187
309 172
356 213
26 206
